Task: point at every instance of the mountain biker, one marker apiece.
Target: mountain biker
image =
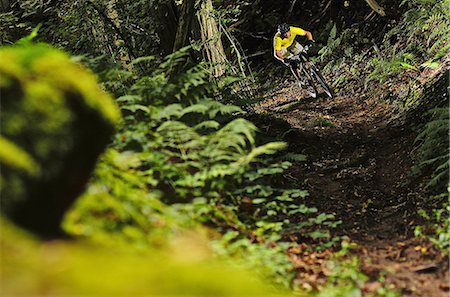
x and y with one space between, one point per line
285 45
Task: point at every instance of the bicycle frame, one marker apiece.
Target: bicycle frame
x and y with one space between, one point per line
312 71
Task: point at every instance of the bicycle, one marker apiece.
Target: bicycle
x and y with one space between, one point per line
306 73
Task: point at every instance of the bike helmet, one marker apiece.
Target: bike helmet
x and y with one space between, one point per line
283 28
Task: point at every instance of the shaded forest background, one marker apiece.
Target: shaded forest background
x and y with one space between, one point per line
153 113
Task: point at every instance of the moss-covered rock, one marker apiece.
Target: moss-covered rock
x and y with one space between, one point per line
55 121
68 268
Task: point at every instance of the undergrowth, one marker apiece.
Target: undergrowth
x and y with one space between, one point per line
437 228
418 42
181 160
400 68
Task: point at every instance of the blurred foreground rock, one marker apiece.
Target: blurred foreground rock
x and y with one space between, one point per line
55 121
80 268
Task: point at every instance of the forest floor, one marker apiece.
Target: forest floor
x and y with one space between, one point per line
358 159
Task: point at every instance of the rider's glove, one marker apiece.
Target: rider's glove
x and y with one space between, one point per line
288 61
310 43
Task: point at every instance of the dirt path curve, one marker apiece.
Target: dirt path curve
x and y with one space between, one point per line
357 168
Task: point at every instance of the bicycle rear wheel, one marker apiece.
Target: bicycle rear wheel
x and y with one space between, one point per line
317 76
305 81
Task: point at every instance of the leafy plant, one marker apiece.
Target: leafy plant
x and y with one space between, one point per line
268 258
385 68
433 150
181 159
437 228
320 122
419 40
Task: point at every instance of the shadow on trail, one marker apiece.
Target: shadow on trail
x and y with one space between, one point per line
294 102
358 163
362 178
358 168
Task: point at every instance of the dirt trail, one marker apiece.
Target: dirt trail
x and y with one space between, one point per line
357 168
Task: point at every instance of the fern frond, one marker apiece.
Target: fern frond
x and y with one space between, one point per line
195 108
207 125
294 157
170 111
176 132
267 149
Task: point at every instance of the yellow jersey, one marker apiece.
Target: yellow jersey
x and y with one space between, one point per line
279 43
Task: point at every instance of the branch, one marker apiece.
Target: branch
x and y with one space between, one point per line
377 8
291 8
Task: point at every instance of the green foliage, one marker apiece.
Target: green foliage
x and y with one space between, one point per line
61 268
186 139
426 22
29 38
116 30
433 151
385 68
13 156
177 145
419 40
437 228
320 122
271 262
332 44
339 45
118 210
346 279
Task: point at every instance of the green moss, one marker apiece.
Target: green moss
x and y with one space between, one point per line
52 67
13 156
59 268
55 112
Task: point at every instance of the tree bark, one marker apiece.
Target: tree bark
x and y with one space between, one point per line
184 24
122 55
211 38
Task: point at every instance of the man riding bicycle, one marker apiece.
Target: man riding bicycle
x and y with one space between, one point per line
284 43
295 56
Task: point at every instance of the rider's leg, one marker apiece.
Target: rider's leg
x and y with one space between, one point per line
296 48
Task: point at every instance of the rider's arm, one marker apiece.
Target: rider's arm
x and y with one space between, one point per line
301 32
277 49
278 55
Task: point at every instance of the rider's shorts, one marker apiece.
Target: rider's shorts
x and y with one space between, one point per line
295 48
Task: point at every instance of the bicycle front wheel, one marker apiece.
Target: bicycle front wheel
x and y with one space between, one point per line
305 81
317 76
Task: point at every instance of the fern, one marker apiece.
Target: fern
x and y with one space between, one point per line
294 157
190 142
433 149
423 36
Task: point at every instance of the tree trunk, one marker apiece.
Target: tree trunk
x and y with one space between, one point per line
211 38
167 13
184 24
122 55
